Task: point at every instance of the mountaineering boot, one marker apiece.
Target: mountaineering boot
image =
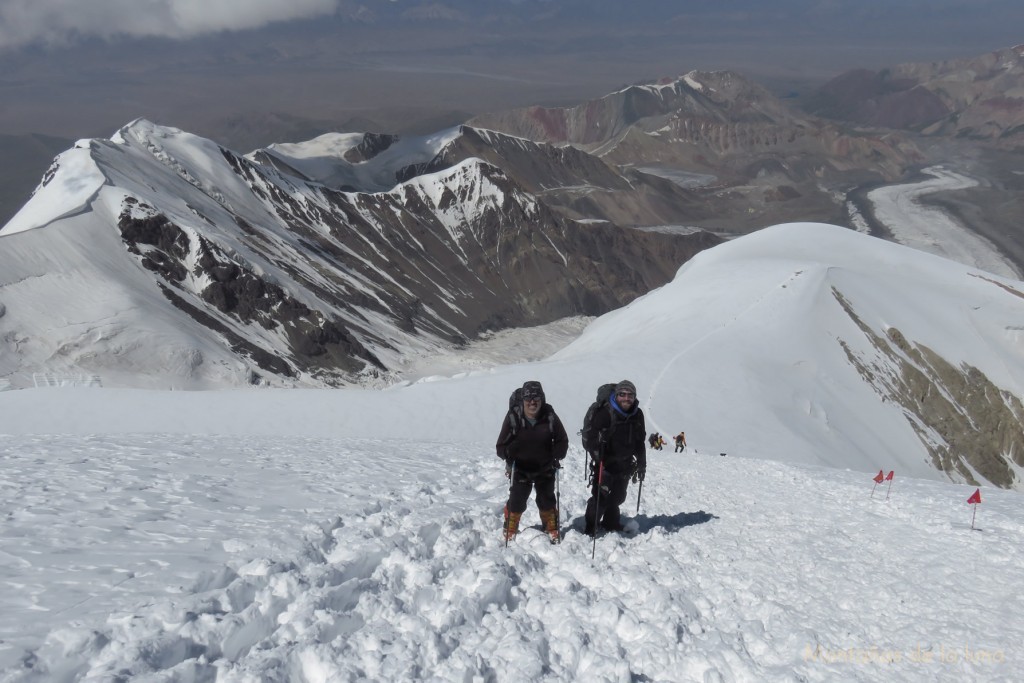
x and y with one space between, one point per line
611 520
549 519
511 523
589 518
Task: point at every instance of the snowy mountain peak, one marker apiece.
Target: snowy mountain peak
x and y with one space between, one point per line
811 334
264 269
364 162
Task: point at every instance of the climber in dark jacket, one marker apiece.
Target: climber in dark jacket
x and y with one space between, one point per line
532 442
618 453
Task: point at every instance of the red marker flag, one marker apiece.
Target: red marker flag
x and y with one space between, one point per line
888 478
878 480
974 500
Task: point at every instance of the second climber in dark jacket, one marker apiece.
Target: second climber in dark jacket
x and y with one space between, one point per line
618 453
532 442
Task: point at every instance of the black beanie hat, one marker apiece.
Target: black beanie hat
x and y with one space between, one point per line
533 389
625 385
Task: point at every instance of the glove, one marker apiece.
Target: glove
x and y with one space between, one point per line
558 463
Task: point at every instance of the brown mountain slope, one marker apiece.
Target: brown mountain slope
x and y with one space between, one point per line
749 158
980 98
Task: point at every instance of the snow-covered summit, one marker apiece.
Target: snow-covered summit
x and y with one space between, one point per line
831 347
358 161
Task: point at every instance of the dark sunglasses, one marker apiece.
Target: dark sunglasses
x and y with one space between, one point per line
625 394
532 400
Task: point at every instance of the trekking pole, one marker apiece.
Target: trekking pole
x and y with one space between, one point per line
558 503
597 504
639 490
508 515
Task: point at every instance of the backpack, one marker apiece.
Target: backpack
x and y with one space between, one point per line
604 392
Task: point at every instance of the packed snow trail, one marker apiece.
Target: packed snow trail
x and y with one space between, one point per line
740 570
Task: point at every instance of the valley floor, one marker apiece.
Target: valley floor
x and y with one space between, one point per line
967 209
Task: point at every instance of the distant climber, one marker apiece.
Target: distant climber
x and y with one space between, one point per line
680 442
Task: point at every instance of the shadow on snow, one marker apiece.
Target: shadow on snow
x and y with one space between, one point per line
646 523
672 523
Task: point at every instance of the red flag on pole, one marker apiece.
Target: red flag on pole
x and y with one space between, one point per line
877 480
974 500
888 478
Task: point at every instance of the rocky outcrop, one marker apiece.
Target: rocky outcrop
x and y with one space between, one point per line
190 265
973 430
372 145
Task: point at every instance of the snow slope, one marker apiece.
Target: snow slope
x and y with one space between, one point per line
750 333
159 558
757 365
303 535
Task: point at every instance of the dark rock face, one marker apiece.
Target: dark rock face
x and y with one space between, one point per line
170 244
372 145
235 291
261 357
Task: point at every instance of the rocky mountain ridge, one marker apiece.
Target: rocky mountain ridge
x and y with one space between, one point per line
764 160
979 98
298 282
335 260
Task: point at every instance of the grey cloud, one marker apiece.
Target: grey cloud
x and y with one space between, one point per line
58 22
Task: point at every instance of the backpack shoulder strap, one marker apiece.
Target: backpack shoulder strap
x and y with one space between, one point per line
515 420
551 420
